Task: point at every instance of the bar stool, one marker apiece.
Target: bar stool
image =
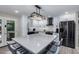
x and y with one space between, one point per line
13 47
21 50
55 48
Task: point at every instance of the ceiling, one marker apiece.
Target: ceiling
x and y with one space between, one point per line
47 10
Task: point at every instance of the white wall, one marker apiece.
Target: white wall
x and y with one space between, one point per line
24 21
55 23
68 17
77 30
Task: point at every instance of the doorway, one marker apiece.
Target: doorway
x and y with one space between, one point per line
10 27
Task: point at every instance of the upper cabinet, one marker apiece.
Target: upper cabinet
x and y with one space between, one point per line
50 21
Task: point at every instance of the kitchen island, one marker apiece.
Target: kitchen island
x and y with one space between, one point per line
36 43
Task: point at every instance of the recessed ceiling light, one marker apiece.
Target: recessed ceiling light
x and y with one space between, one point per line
66 12
16 11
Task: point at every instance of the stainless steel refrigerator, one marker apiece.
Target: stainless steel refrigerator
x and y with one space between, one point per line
67 32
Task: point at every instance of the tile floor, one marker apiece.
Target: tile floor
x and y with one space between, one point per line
67 50
5 50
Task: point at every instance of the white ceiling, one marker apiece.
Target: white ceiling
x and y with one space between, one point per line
48 10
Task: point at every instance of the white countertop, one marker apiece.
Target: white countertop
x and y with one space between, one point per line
36 42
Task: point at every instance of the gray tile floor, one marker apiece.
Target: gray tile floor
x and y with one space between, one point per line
67 50
5 50
63 50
